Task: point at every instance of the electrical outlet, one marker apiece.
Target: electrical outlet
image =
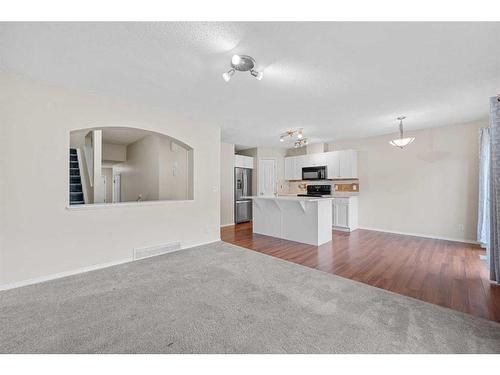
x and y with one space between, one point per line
461 227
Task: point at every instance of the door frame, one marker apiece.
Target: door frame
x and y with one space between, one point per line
275 160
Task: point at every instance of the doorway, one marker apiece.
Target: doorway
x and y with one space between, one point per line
267 177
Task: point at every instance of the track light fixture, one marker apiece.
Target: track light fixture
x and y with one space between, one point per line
297 134
242 63
227 76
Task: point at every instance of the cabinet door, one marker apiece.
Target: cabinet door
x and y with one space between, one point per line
348 164
238 161
332 164
289 168
241 161
304 161
345 164
300 162
249 162
343 215
340 213
317 160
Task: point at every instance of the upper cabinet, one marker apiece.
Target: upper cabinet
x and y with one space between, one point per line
241 161
340 164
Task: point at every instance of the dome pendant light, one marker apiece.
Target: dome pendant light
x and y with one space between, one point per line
401 142
242 63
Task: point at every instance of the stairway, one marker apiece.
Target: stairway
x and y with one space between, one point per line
75 181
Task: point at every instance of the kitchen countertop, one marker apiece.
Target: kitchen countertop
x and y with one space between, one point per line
337 194
289 198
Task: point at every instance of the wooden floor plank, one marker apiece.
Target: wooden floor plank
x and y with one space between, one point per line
445 273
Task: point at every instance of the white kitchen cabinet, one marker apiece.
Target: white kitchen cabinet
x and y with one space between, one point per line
289 168
300 162
340 164
316 160
345 213
293 167
348 164
242 161
332 164
293 171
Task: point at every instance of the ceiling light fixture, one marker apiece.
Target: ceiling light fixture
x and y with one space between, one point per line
298 134
401 142
242 63
300 143
227 76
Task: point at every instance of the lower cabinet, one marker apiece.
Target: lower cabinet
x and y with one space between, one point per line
345 213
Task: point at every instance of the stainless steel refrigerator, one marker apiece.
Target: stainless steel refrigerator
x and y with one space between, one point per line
242 188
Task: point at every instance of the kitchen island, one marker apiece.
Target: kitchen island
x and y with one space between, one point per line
301 219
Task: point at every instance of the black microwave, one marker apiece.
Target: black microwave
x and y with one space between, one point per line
314 173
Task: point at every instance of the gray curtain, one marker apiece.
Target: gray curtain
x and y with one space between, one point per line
483 218
494 248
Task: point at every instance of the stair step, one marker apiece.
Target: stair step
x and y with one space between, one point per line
77 202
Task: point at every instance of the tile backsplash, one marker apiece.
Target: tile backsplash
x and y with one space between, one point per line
298 187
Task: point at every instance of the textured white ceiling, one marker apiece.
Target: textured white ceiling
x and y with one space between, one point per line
335 80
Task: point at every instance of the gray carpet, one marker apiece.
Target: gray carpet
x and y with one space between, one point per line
220 298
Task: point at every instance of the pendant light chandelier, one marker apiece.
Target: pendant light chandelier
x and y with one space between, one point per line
401 142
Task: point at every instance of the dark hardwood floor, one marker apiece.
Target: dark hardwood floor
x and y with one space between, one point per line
445 273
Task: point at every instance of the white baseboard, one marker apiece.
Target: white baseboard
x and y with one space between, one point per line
341 229
41 279
227 225
422 235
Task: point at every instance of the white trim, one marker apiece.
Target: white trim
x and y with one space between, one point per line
226 225
463 240
41 279
341 229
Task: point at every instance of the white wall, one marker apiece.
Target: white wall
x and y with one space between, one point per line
140 173
173 170
112 152
39 235
429 188
226 183
316 148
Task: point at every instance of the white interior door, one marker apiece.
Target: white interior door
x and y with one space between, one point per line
117 188
104 185
267 177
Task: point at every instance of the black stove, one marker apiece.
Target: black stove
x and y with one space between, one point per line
317 191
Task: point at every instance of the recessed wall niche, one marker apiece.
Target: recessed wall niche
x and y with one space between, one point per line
112 165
